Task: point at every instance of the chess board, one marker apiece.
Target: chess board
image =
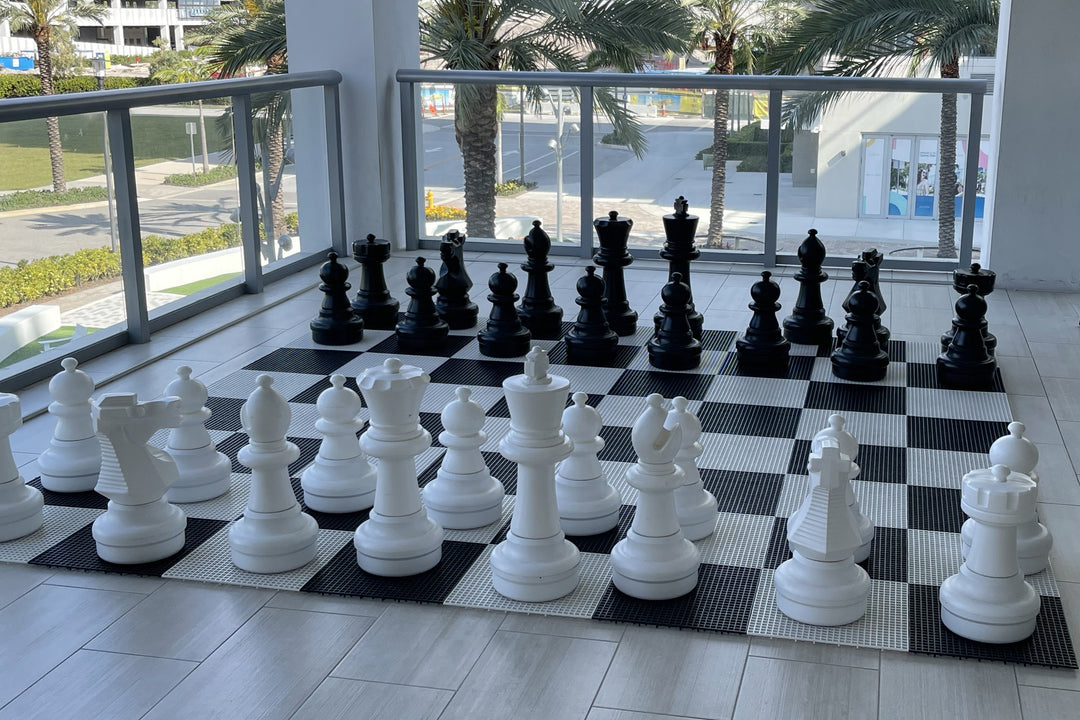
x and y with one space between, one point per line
917 441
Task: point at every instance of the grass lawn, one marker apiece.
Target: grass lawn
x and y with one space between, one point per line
34 348
198 285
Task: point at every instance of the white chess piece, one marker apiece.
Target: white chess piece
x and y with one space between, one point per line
989 600
588 505
73 459
140 525
341 480
273 535
398 538
655 561
20 505
848 446
204 473
463 494
1033 539
821 584
695 506
535 563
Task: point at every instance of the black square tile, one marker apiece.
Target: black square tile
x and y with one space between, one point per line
639 383
225 413
881 463
231 446
303 360
931 508
617 444
1050 644
452 345
603 542
746 493
841 398
78 551
897 350
924 375
800 456
961 435
720 340
311 395
490 373
755 420
343 576
888 555
432 422
329 521
89 499
800 367
721 602
624 355
777 550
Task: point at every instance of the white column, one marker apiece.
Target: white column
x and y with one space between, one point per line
1032 224
367 42
179 45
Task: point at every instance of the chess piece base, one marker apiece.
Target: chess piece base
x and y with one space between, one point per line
273 542
535 570
622 323
818 333
544 325
965 375
70 466
654 568
423 339
378 317
597 353
457 503
685 358
990 610
20 509
1033 543
818 592
398 546
697 511
202 476
132 534
325 332
339 486
587 507
460 318
871 370
505 347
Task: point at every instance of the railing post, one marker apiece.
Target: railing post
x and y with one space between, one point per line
410 165
335 169
587 173
971 179
244 140
118 126
772 178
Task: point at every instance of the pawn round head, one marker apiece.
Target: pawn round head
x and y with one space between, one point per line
971 306
332 272
420 275
859 270
1015 450
502 282
765 291
371 239
581 422
863 301
266 414
191 392
463 416
72 386
337 403
975 268
676 292
613 216
590 285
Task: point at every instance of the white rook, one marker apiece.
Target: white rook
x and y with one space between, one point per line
20 505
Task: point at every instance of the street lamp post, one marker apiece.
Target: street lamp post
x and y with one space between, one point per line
558 144
99 73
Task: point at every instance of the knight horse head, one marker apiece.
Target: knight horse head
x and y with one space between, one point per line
657 435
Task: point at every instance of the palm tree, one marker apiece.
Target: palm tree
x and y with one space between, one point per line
530 35
41 18
184 66
736 32
890 37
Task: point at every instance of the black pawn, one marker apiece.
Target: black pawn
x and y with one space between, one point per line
808 324
966 363
984 280
679 249
763 349
591 341
421 330
614 234
674 346
862 270
860 356
337 323
504 336
538 310
373 302
453 303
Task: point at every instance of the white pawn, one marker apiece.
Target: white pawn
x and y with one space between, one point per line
463 494
20 505
273 535
398 538
140 525
1033 539
848 446
695 506
341 480
821 584
205 473
535 562
989 600
655 561
588 505
73 459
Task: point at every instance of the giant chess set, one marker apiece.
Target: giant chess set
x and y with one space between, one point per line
788 481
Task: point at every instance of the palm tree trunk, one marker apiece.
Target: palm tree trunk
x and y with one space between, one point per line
475 125
724 65
202 135
52 124
947 184
275 160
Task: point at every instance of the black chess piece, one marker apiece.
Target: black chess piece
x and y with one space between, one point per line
591 341
674 346
373 302
538 310
862 270
763 349
873 259
614 234
984 280
966 363
337 323
453 303
860 357
679 249
808 324
422 330
504 336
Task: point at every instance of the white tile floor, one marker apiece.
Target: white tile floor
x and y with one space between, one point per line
81 645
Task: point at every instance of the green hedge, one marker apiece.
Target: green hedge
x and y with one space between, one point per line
47 198
13 86
216 174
